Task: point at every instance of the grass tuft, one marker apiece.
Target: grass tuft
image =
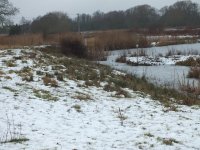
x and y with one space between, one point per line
46 95
82 96
50 82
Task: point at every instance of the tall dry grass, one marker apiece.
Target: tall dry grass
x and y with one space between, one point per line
21 40
107 40
30 40
114 40
95 50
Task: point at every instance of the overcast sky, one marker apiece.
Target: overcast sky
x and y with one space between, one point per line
32 8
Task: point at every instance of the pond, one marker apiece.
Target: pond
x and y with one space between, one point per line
168 75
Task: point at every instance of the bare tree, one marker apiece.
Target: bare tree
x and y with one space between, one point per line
6 10
181 13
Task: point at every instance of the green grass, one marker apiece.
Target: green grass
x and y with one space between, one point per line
77 108
82 96
46 95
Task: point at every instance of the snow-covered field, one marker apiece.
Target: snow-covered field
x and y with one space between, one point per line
72 116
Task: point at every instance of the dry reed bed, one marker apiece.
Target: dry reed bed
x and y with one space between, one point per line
106 40
30 40
21 40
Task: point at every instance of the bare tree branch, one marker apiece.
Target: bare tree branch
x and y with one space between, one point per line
6 10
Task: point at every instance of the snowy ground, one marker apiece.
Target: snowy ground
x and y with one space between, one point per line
72 116
149 60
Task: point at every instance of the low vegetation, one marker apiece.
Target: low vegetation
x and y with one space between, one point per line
77 107
11 63
13 134
189 62
168 141
82 96
81 69
194 65
46 95
20 40
194 72
50 81
114 40
9 89
121 59
53 76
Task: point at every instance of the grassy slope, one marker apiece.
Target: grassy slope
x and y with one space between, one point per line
81 69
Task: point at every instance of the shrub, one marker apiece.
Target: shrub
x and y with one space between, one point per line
189 62
49 81
73 45
60 77
97 53
121 59
194 72
77 108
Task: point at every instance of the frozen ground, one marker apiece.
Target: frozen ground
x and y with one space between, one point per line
60 120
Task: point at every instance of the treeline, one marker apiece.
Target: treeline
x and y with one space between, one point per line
180 14
53 22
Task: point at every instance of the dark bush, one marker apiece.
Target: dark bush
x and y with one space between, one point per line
15 30
73 45
121 59
143 42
